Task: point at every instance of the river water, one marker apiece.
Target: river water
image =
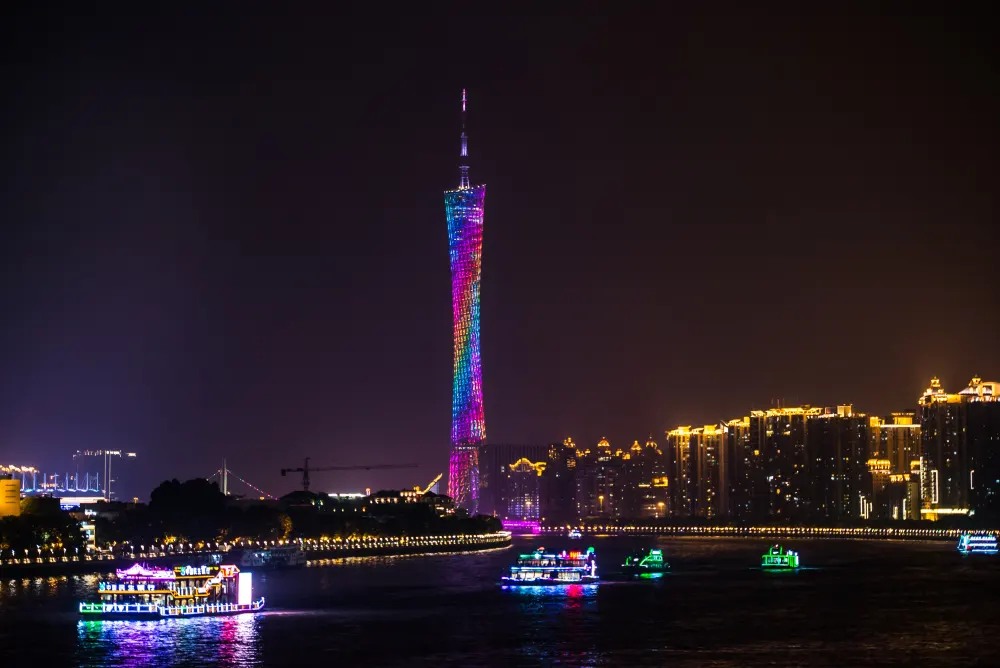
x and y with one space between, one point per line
855 603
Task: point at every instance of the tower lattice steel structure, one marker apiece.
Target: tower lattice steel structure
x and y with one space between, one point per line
464 210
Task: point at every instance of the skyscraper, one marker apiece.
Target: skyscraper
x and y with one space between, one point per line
839 466
464 211
558 490
960 464
698 457
897 439
744 472
494 460
524 486
780 435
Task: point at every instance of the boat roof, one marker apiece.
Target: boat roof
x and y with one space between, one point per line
777 549
540 553
141 571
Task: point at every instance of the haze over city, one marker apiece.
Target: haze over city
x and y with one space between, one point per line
227 239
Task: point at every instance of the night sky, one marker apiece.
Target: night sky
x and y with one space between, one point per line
224 233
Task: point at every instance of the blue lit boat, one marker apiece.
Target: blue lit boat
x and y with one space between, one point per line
574 534
778 558
142 592
646 564
541 568
980 543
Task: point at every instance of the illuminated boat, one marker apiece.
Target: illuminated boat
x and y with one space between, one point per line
778 558
574 534
543 569
646 564
985 543
143 592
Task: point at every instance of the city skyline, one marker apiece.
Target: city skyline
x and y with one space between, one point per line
832 464
228 244
898 453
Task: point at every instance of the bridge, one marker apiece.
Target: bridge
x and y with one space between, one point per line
225 474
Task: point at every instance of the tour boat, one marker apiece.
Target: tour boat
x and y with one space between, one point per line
144 592
977 543
778 558
574 534
646 564
544 568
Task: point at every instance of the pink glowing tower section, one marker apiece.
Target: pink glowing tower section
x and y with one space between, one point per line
464 209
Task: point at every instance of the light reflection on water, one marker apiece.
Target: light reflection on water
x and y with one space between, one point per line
546 613
218 641
857 603
553 591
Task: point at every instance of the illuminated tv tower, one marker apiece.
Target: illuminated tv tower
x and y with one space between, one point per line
464 211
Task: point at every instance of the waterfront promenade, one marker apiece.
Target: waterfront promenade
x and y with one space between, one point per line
869 533
54 564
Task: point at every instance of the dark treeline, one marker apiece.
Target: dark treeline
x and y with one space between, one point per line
196 511
192 511
40 526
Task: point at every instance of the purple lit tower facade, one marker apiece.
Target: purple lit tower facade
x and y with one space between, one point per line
464 210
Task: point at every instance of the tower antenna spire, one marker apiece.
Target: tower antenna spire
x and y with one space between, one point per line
464 166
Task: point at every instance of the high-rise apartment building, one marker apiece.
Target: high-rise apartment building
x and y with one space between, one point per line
646 493
495 481
744 473
960 437
558 490
896 438
600 482
780 435
698 464
524 485
837 452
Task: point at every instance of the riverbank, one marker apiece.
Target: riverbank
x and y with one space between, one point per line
315 550
869 533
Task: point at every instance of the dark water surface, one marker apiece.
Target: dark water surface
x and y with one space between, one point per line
857 603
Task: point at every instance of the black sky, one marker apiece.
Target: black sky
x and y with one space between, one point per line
224 232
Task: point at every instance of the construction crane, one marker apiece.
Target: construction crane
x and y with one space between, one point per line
430 485
305 469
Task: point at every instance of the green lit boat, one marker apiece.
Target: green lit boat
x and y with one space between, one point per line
779 559
646 564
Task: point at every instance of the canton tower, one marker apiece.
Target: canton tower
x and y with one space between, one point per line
464 210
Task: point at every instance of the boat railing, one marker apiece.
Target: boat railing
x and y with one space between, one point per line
170 611
211 608
104 608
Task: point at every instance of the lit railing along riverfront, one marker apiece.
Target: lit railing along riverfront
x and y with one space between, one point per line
347 546
765 532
